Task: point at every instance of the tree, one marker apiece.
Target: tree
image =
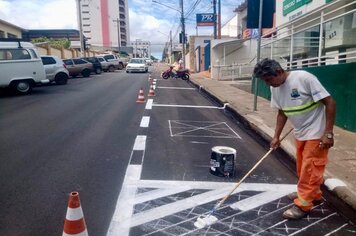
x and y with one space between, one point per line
55 43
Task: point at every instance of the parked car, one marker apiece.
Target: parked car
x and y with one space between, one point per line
106 65
149 61
137 65
116 60
55 69
21 67
77 66
96 63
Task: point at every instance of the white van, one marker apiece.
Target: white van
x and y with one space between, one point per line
21 66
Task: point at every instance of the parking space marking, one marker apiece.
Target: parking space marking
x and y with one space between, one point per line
207 129
145 121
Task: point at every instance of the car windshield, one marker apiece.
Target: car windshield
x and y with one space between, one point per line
136 61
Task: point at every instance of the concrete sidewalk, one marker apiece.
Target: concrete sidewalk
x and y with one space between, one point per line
340 176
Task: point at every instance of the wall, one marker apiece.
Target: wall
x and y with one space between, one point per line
10 29
340 81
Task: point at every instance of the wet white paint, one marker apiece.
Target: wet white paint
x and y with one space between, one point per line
262 198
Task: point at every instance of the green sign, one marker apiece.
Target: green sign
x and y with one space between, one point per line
291 5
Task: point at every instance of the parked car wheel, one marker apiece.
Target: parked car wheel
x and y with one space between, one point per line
111 68
22 87
98 71
121 66
61 79
86 73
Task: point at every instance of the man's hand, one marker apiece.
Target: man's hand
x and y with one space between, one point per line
275 143
326 143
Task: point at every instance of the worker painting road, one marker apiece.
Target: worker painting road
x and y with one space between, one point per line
168 185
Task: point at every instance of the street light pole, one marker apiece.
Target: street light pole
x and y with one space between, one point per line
183 32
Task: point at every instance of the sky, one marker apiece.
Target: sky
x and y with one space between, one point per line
148 20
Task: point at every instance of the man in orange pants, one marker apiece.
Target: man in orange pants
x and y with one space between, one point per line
300 97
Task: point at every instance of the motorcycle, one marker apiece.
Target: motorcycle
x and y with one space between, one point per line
182 74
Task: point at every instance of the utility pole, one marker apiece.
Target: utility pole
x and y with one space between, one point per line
171 51
183 32
81 39
214 7
219 19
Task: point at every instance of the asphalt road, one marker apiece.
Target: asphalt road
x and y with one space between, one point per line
85 136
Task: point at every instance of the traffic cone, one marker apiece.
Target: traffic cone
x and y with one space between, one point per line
149 78
151 93
74 224
141 96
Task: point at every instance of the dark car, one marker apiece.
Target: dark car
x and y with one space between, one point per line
96 64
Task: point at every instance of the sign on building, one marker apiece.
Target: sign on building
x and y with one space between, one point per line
205 19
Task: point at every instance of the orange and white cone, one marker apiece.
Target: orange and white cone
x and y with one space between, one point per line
74 224
141 96
149 78
151 93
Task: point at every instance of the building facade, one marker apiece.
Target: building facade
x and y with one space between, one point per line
105 23
8 30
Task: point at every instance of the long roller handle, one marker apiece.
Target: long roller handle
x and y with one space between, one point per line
248 173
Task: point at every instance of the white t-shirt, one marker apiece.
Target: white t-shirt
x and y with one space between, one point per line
298 97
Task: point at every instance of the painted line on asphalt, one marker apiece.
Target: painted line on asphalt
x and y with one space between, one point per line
149 104
310 225
145 121
140 143
260 199
120 223
185 106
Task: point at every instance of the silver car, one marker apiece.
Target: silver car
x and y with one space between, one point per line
55 69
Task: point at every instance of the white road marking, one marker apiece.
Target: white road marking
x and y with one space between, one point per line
182 88
145 121
120 223
212 129
334 231
158 193
310 225
172 208
149 104
185 106
140 143
261 199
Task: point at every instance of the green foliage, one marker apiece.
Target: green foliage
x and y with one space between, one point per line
55 43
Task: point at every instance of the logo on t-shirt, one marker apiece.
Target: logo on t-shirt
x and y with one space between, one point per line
295 93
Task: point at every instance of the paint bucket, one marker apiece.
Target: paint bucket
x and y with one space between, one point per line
222 162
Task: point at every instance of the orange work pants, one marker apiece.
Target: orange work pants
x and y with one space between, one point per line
311 161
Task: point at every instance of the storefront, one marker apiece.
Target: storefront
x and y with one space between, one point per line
312 33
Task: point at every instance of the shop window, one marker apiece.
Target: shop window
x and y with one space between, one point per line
306 45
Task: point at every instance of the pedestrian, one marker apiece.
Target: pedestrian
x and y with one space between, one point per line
300 97
180 62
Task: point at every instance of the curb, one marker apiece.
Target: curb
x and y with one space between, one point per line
340 196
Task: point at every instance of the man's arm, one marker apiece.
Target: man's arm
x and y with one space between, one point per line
330 112
281 121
